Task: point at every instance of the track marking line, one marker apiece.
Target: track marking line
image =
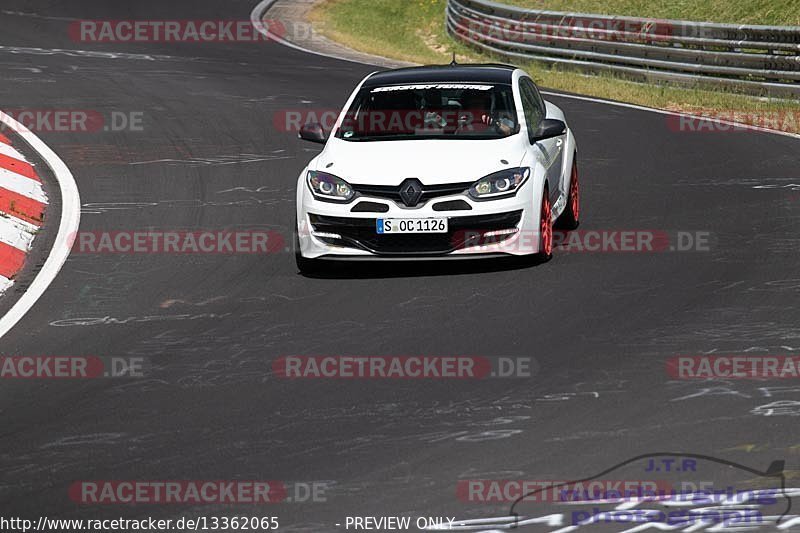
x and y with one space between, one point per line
68 226
256 17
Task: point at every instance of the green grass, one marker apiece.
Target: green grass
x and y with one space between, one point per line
413 30
392 28
771 12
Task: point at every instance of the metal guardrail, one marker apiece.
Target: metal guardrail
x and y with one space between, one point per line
755 59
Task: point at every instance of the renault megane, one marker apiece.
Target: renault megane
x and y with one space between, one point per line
458 161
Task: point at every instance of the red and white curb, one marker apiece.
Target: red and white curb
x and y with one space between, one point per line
22 207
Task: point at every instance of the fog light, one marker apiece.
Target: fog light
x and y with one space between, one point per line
499 232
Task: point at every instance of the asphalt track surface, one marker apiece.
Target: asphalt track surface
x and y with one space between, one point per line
600 325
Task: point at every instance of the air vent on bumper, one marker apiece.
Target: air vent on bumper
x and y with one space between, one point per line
369 207
452 205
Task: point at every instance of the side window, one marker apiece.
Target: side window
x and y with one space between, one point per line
532 106
539 99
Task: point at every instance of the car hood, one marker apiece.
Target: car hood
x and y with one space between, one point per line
432 161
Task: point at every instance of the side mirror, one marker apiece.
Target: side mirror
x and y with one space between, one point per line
313 132
548 129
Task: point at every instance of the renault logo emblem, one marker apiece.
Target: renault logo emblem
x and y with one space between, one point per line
411 192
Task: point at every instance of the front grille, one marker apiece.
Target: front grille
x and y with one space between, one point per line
361 233
392 192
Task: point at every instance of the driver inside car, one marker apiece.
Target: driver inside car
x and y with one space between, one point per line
477 109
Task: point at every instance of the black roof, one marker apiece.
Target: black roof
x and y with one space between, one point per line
488 73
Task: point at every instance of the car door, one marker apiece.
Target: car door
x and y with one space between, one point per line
548 151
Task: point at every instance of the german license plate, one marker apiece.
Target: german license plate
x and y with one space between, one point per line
411 225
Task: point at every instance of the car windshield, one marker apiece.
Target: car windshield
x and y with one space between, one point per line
431 110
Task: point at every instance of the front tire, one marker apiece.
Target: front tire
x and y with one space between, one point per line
570 218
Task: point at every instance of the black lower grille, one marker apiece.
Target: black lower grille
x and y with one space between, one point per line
361 233
452 205
369 207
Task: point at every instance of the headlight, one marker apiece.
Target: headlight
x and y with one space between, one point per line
499 183
328 187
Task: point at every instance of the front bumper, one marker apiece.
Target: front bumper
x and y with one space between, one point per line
359 233
491 228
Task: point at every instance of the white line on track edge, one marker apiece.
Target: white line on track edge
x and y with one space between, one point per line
68 227
256 18
258 12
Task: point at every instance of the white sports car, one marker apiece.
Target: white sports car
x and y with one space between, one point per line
458 161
